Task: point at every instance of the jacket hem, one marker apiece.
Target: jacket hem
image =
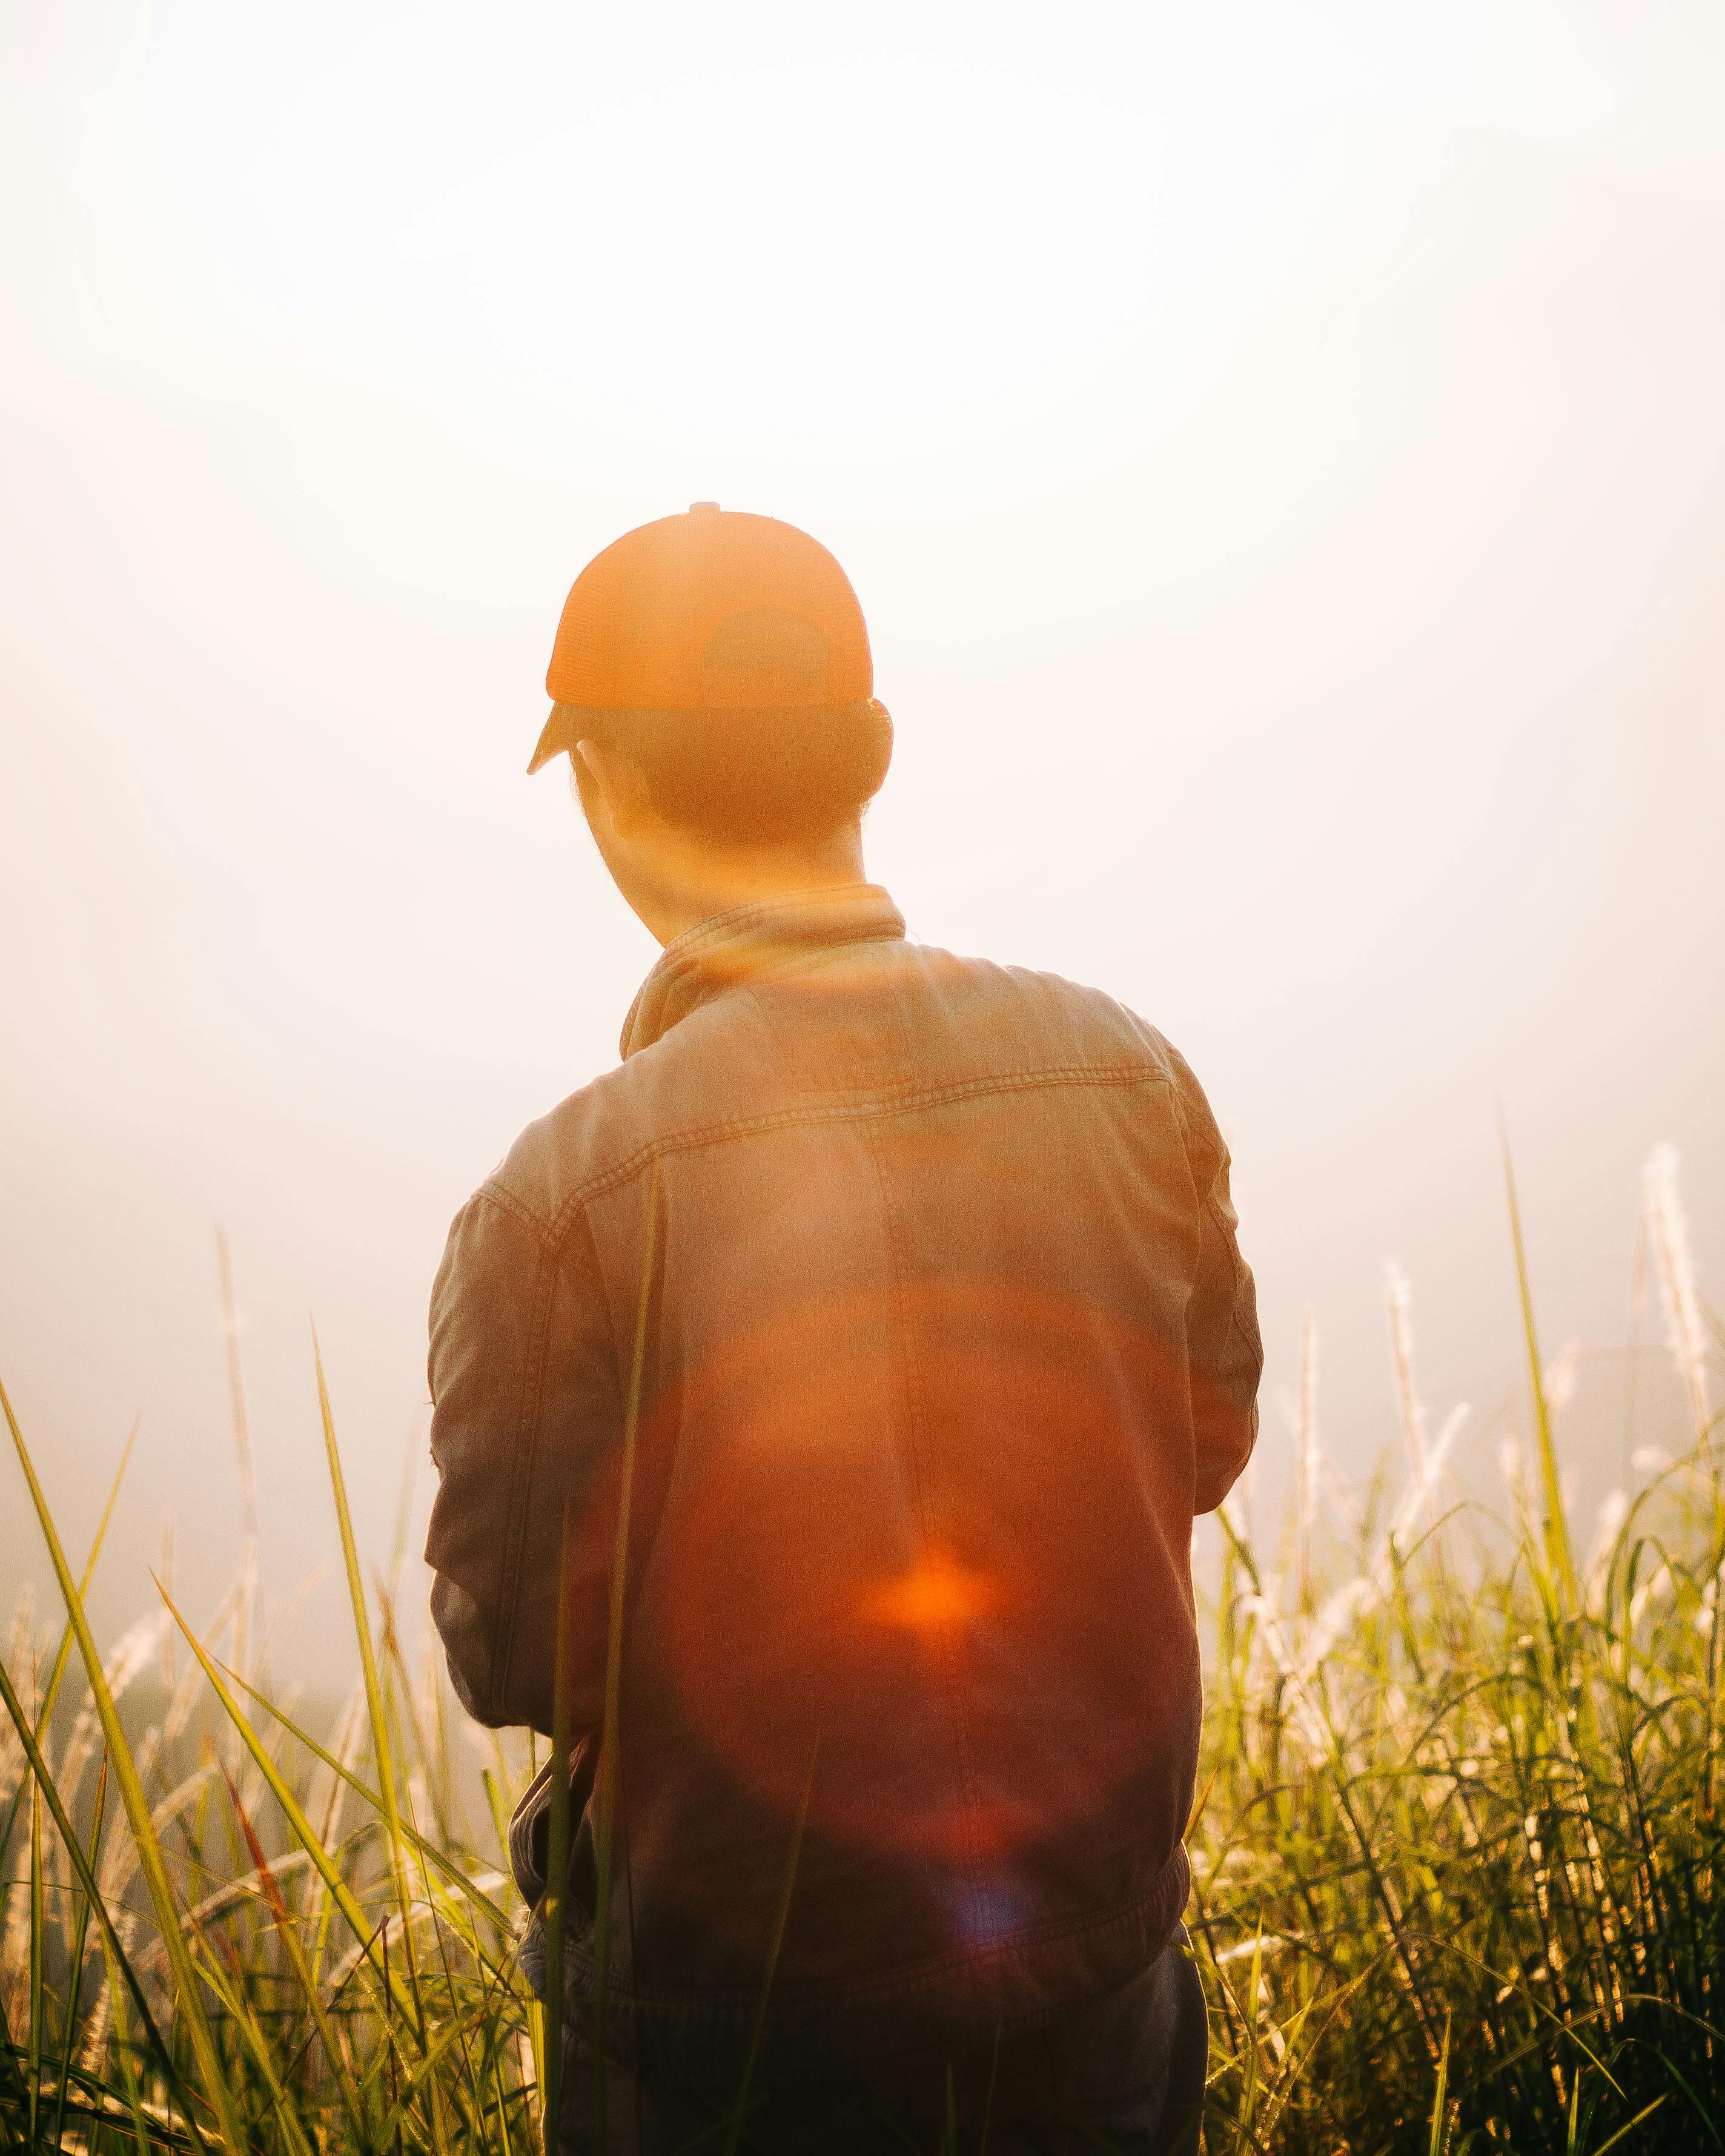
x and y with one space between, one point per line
1013 1981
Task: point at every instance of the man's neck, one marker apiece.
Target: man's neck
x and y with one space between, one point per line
689 883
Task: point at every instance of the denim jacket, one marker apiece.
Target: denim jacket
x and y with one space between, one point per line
923 1272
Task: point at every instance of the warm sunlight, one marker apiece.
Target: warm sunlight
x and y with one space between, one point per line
1275 462
951 1543
813 251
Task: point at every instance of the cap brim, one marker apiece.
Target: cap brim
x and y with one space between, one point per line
555 740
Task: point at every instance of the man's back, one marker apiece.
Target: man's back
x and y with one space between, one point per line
945 1338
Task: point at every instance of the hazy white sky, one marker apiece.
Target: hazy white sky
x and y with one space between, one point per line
1280 452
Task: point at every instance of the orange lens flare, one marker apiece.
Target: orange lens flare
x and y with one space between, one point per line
938 1593
799 1587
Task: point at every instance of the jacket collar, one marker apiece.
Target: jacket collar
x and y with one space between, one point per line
716 954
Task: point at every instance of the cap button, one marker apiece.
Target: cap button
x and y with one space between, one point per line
699 508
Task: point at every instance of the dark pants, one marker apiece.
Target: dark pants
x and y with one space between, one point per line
1125 2073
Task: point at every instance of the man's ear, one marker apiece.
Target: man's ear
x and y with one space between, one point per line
620 782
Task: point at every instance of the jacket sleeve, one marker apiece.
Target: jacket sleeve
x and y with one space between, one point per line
525 1433
1224 1354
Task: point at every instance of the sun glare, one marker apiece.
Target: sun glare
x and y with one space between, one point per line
819 248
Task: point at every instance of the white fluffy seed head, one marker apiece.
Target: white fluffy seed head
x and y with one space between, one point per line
1668 1231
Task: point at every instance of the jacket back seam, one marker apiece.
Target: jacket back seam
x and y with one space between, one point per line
922 1468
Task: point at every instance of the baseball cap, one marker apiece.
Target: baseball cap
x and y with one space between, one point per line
715 610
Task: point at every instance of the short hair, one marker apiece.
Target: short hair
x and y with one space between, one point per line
765 761
759 776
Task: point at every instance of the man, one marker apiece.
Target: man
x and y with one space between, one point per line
877 1328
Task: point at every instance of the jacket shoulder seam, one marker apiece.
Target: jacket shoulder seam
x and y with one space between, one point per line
557 1237
499 1194
859 1108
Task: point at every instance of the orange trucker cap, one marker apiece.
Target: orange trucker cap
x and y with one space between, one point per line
713 611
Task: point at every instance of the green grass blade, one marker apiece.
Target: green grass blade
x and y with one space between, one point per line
1645 2112
495 1811
152 1859
555 1902
1700 2109
419 2077
438 1859
81 1865
113 1961
63 1655
1440 2102
301 1968
439 1935
74 1959
232 1996
367 1658
1559 1555
38 1926
341 1893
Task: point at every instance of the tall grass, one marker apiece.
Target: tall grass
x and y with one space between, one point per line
1455 1852
1459 1846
